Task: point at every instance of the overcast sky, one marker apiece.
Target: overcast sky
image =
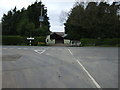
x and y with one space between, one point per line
54 8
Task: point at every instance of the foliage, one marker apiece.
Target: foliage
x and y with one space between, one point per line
25 21
108 41
63 17
20 40
96 20
39 39
13 40
100 42
41 44
88 42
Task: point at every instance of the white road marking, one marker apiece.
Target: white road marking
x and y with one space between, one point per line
37 51
90 76
94 81
18 48
70 52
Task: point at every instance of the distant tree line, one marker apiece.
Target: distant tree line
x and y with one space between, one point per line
93 20
25 22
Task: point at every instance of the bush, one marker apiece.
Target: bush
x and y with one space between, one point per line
108 41
40 41
13 40
100 42
88 42
41 44
114 41
19 40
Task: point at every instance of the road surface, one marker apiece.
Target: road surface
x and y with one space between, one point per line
59 67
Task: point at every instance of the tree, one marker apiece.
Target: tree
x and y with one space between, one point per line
63 17
25 28
25 21
93 21
6 23
73 23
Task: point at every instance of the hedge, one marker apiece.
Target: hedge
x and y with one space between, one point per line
39 40
87 42
19 40
100 42
13 40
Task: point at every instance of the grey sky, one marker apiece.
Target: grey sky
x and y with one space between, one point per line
54 11
54 8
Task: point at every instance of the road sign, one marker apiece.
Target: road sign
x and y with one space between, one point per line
41 19
30 38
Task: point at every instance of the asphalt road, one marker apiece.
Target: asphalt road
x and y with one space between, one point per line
59 67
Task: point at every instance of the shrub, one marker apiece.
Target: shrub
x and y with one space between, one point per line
19 40
114 41
41 44
39 41
100 42
13 40
87 42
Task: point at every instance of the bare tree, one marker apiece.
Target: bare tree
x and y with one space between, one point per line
63 17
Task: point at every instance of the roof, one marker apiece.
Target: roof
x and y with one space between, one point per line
59 33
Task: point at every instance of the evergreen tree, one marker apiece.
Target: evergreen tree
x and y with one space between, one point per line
25 22
95 21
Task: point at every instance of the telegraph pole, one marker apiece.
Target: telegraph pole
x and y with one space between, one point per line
41 17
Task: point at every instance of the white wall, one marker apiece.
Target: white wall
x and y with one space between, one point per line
66 41
49 41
